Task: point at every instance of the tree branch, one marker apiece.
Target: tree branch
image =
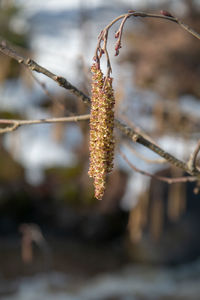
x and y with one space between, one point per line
168 17
161 178
136 137
17 123
192 163
142 157
33 66
103 37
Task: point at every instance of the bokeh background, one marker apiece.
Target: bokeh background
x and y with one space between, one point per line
56 241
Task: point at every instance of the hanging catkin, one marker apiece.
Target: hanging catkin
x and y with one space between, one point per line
101 130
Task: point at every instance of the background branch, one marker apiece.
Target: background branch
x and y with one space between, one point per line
142 157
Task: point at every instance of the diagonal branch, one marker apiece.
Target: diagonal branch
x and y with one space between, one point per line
33 66
161 178
136 137
142 157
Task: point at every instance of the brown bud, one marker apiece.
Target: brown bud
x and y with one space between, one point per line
166 13
101 52
116 52
117 47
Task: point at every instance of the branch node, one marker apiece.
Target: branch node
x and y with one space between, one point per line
61 81
28 61
192 162
32 65
135 137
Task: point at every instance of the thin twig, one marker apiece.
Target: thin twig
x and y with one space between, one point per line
104 33
14 126
118 35
59 104
45 90
16 123
142 157
135 127
171 18
161 178
192 163
33 66
136 137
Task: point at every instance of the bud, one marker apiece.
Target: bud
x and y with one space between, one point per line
101 52
117 47
117 34
166 13
101 130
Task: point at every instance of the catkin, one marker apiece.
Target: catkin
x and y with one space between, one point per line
101 130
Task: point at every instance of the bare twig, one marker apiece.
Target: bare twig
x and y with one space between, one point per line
59 104
192 163
32 65
136 137
118 35
17 123
104 33
13 127
137 129
45 90
142 157
169 18
161 178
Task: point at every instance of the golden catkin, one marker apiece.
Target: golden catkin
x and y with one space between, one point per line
101 130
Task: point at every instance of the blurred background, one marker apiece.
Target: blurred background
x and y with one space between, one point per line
142 240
